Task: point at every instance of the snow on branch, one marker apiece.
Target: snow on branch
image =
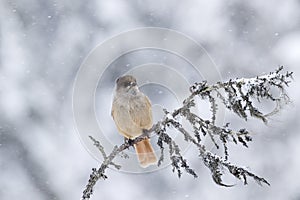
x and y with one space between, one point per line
237 95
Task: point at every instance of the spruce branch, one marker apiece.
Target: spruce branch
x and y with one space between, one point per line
238 96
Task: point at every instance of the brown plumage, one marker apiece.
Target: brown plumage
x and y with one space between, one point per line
132 113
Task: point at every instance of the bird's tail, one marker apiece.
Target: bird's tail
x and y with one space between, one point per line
145 153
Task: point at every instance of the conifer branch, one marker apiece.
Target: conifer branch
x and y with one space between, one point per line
238 96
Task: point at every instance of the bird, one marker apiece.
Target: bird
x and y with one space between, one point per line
132 113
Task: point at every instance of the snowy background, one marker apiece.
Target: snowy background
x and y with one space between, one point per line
43 44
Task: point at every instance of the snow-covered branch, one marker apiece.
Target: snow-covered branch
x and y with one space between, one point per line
237 95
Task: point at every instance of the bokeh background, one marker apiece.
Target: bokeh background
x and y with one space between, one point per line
43 44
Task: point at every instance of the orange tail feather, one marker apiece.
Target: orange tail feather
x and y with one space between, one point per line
145 153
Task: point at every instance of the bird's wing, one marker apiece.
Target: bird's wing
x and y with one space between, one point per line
141 113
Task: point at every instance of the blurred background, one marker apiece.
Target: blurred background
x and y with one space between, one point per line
43 44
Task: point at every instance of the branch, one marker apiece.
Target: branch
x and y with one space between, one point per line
107 161
237 95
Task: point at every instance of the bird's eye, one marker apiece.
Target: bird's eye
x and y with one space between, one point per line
132 83
127 84
117 80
